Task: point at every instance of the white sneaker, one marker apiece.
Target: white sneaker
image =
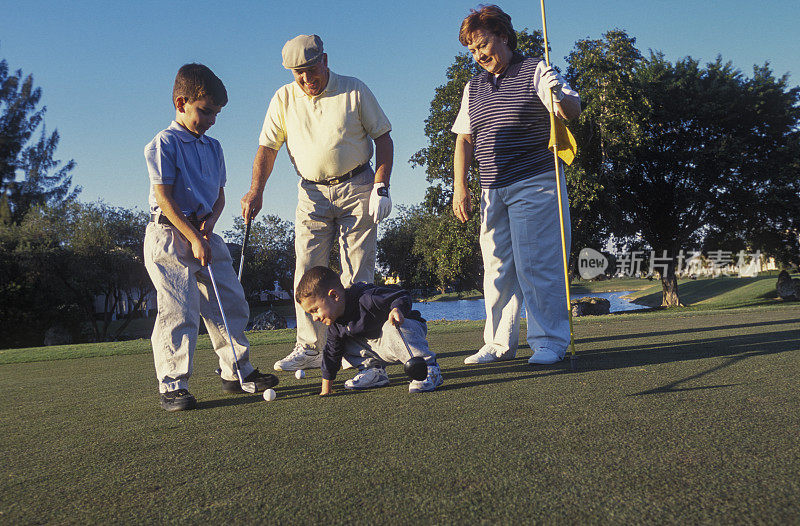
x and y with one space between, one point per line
300 358
367 378
544 357
430 383
487 355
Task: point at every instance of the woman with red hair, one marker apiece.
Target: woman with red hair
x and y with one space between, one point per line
504 124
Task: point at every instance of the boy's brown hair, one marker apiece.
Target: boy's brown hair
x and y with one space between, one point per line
316 283
195 81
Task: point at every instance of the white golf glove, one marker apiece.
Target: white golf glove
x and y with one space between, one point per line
551 81
380 204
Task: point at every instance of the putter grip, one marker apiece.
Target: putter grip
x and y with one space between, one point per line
244 244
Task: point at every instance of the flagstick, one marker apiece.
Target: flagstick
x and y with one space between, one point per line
558 191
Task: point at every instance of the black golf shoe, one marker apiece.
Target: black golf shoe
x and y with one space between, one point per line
178 400
262 381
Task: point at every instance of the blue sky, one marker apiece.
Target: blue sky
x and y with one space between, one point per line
106 68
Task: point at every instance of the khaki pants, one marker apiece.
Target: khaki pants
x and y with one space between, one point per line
388 347
324 214
184 294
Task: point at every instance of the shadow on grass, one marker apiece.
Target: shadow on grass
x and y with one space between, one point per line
454 354
474 375
664 352
683 331
736 347
618 355
229 401
284 393
672 387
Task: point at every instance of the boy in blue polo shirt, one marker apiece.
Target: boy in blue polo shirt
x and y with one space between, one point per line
187 180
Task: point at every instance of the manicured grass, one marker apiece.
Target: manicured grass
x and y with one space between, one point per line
142 346
610 285
672 417
453 296
717 293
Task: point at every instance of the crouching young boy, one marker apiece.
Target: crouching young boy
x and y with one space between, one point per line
364 325
187 179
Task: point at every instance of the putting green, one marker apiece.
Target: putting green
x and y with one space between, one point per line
672 417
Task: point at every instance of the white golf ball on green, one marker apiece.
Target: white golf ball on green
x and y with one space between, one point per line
270 395
299 374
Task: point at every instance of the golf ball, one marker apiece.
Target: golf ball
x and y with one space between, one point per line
299 374
269 395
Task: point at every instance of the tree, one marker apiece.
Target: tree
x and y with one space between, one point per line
269 255
450 251
599 70
763 213
106 261
29 175
59 260
25 303
396 253
675 147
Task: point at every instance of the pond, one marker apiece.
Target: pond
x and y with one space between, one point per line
474 309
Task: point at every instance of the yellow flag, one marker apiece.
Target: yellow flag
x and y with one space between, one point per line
567 147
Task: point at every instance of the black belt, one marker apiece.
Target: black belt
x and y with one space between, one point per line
192 219
342 178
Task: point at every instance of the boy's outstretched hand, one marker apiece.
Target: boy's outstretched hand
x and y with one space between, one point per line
326 388
396 317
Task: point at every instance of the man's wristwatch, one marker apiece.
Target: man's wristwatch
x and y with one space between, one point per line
383 191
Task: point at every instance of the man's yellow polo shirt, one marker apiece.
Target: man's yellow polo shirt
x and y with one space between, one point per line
327 135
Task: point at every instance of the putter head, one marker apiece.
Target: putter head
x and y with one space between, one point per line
416 368
247 387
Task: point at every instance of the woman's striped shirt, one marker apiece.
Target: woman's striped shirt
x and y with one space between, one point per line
509 124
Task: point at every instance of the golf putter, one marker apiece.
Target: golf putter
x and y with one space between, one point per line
244 244
416 368
248 387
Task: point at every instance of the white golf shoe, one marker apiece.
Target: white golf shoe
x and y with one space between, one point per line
368 378
300 358
430 383
488 355
544 357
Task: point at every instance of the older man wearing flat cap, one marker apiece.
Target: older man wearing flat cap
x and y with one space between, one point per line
329 123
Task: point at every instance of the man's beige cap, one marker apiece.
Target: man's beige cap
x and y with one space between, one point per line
302 51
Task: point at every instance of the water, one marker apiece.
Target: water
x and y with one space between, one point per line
474 309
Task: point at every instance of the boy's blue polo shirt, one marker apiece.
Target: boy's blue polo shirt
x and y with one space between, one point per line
194 166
